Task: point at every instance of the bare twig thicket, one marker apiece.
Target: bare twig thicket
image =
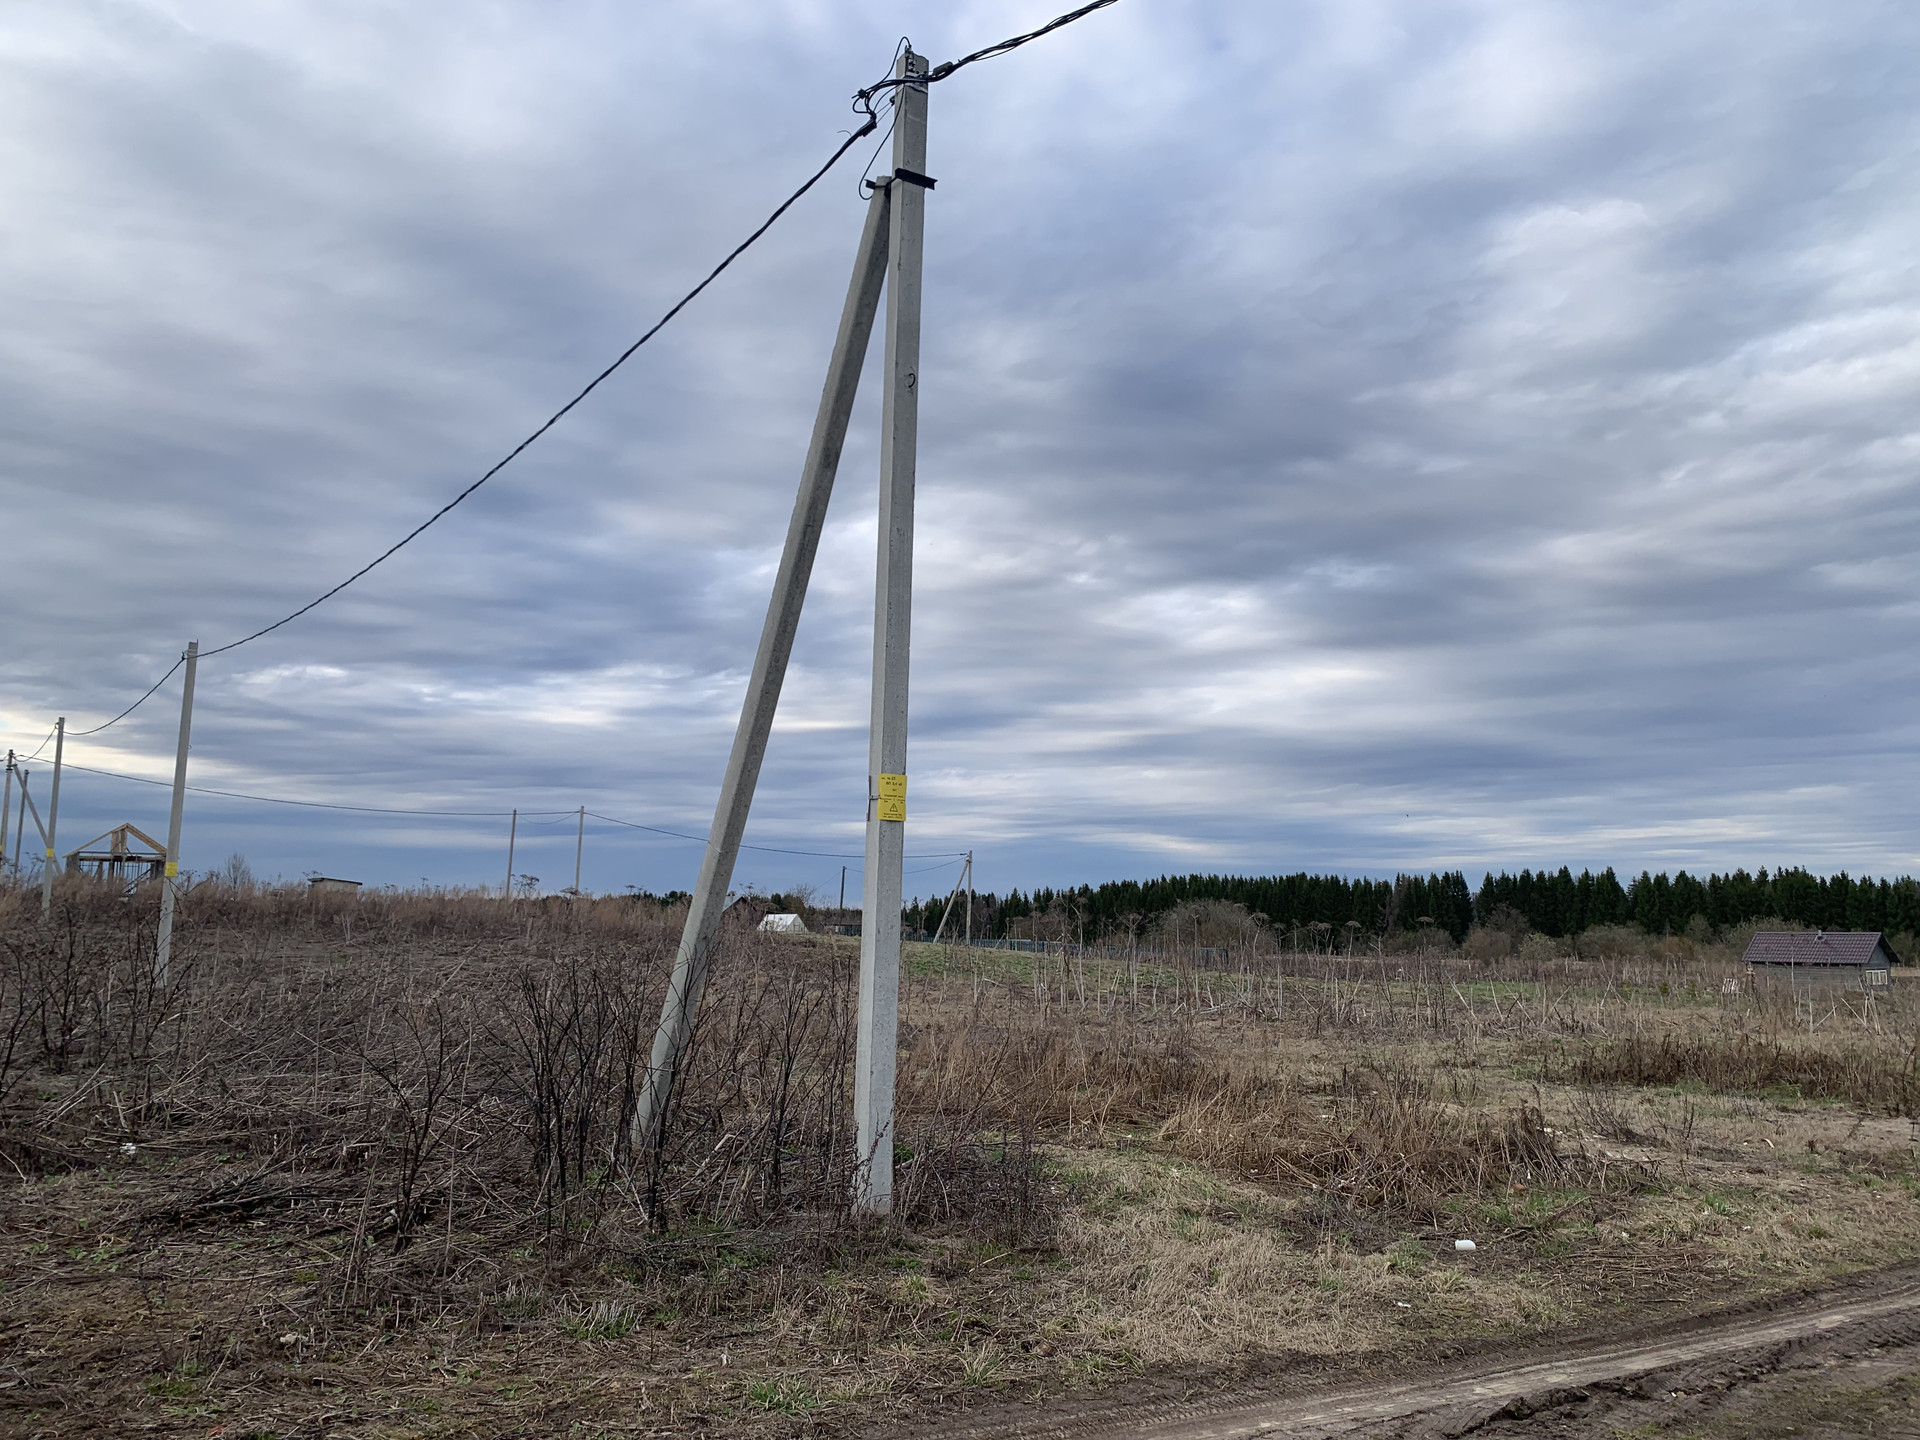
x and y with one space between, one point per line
446 1077
439 1081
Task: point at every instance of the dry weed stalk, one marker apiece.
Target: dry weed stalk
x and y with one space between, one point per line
438 1080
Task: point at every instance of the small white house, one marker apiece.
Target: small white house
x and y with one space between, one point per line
784 924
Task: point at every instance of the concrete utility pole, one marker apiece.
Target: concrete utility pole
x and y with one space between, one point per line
877 1037
579 849
170 882
27 807
709 901
513 830
20 828
6 813
953 899
53 818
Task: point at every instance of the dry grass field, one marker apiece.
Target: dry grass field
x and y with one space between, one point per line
361 1170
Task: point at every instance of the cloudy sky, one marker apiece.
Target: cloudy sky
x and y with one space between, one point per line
1357 435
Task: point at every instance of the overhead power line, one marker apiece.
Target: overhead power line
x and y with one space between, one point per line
871 123
946 864
474 814
588 389
942 72
309 804
863 102
76 734
768 849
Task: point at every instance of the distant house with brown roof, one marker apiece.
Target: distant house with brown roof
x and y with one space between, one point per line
747 910
1856 959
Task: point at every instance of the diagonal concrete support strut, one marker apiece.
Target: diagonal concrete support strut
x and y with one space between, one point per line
690 963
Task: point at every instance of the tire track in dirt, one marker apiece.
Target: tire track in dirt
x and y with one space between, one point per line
1889 1314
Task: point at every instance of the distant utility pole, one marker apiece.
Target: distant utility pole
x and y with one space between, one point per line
579 848
6 812
965 882
53 818
877 1036
20 828
843 888
27 807
513 830
170 882
690 962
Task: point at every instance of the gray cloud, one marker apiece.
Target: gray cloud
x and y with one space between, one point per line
1355 436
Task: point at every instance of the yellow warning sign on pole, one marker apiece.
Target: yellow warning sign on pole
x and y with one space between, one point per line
892 798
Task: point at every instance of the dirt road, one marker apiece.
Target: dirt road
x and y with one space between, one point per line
1843 1365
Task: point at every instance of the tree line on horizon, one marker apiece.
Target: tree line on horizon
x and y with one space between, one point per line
1553 902
1556 903
1118 909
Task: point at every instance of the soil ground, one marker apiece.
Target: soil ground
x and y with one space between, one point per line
1842 1365
1224 1210
1165 1279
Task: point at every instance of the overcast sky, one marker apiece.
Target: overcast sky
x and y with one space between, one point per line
1355 436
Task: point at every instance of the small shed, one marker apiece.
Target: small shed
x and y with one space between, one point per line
328 882
113 856
1855 959
784 924
845 920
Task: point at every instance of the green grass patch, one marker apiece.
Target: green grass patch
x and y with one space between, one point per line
602 1320
783 1395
